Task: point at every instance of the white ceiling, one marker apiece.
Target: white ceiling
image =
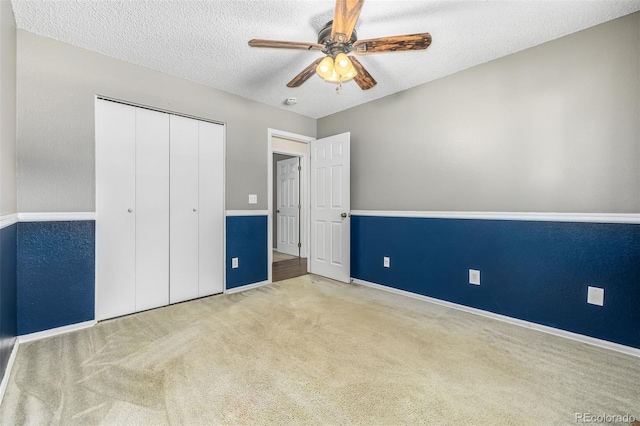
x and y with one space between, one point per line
206 41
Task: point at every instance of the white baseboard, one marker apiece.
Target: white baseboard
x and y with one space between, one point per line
247 287
55 331
522 323
7 371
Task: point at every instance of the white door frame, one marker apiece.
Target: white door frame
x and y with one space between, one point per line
305 199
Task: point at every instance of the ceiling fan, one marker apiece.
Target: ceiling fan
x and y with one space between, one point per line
337 39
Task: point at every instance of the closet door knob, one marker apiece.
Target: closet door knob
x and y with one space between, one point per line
130 210
195 210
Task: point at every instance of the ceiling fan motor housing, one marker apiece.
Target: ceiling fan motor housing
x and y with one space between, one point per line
334 47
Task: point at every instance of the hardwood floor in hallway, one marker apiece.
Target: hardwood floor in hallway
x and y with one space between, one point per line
292 268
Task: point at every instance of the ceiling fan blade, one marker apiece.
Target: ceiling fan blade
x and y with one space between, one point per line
345 18
393 44
305 74
277 44
363 79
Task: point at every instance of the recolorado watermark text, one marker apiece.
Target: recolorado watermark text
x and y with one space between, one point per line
604 418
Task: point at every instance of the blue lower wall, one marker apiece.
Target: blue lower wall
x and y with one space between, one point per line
534 271
56 274
8 329
247 240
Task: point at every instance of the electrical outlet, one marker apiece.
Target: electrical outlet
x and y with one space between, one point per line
474 276
386 261
595 296
253 199
234 262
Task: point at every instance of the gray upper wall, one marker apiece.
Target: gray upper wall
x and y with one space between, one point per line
8 198
57 83
555 128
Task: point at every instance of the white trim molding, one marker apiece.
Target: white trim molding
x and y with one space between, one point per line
56 217
56 331
247 212
8 220
247 287
7 372
632 218
522 323
288 135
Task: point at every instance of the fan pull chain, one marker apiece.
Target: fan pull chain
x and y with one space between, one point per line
339 86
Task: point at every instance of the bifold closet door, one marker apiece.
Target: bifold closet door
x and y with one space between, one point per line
152 209
197 209
132 206
184 206
115 209
211 201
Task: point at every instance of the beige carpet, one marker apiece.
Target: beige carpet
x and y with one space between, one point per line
312 351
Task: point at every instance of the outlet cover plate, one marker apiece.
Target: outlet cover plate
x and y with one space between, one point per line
474 276
595 296
234 262
386 261
253 199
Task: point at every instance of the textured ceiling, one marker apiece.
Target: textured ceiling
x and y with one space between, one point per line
206 41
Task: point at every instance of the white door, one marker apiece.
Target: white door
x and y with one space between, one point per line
183 270
152 209
115 209
330 207
211 210
288 206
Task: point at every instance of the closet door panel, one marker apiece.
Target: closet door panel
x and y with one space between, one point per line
211 200
115 209
183 209
152 209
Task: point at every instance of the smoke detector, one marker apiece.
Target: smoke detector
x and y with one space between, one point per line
291 101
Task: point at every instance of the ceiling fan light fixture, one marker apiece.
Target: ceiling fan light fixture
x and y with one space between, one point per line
325 68
342 63
351 73
344 67
333 78
337 71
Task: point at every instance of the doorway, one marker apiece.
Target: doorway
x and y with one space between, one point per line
324 200
287 218
288 205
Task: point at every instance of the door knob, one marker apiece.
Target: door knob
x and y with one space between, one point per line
343 215
130 210
195 210
277 211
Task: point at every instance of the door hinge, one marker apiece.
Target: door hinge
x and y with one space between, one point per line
299 245
299 168
299 206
